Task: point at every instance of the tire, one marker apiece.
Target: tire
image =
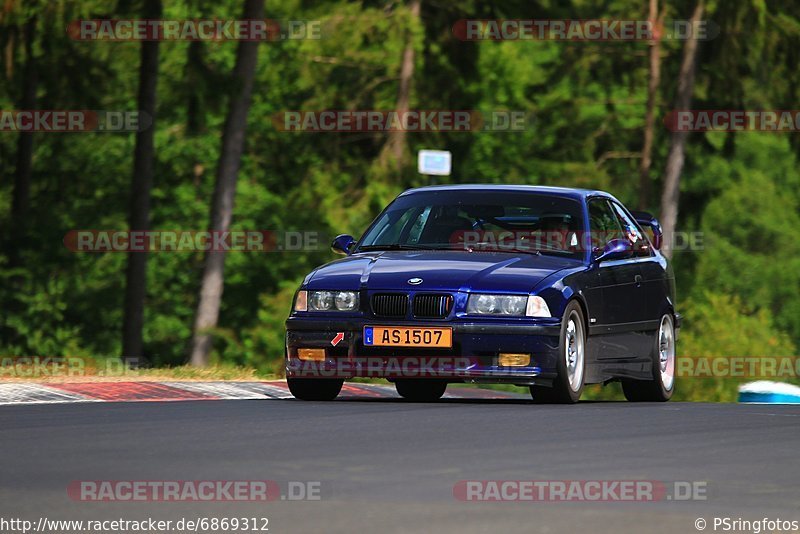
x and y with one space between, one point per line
314 389
662 385
427 390
571 366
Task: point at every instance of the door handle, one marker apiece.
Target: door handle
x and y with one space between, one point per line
638 280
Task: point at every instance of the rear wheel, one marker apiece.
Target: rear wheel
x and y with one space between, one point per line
420 390
660 388
571 366
314 389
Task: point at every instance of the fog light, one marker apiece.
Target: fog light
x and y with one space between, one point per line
508 359
311 355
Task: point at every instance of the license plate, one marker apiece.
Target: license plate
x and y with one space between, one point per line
405 336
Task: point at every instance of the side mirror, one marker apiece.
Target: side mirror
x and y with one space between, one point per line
342 244
647 219
616 249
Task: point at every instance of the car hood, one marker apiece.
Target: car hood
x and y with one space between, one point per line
439 270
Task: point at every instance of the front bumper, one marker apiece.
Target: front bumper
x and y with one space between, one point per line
472 358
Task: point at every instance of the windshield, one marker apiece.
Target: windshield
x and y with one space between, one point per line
508 221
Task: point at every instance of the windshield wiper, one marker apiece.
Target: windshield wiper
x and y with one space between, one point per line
493 247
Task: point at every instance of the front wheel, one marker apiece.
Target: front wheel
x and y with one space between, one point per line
660 388
314 389
420 390
571 366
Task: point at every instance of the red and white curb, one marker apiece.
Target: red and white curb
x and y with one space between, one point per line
68 392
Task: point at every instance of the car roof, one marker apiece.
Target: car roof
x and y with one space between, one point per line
575 193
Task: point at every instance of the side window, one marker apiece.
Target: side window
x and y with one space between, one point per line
603 224
641 246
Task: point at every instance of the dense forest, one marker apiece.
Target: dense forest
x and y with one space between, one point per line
597 120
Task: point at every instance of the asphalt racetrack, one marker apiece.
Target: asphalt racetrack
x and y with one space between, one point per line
384 465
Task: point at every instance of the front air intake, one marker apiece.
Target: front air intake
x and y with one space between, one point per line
432 306
390 305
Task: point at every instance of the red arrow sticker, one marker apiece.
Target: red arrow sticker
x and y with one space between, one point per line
339 336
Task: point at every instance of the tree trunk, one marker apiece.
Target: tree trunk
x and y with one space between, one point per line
8 50
20 202
194 72
650 116
141 185
225 189
396 143
672 175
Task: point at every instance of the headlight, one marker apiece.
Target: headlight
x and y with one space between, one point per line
320 301
326 301
346 300
508 305
497 304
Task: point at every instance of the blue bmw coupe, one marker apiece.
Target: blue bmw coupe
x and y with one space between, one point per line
542 287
